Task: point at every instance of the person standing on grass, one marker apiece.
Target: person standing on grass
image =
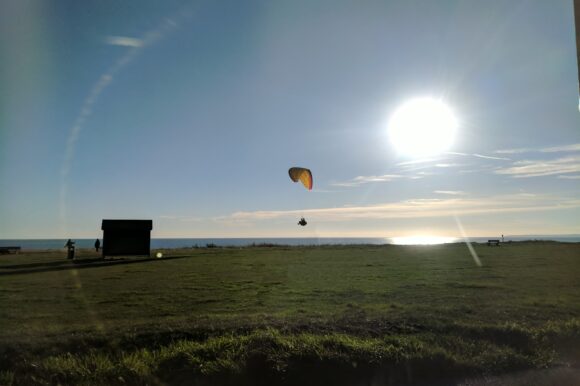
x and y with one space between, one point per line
70 245
97 245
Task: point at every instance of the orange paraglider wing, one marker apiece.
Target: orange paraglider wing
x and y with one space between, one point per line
303 175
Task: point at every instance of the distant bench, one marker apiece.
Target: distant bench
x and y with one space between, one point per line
493 242
7 250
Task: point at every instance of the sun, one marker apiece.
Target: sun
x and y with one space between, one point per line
422 127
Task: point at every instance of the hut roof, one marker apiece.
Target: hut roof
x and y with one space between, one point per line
127 225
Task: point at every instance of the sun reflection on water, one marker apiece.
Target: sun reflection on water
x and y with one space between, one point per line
422 240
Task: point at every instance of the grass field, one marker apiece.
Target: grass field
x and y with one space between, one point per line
289 315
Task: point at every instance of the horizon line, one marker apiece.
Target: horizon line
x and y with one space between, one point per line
312 237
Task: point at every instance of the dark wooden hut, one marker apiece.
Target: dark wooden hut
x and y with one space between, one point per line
126 237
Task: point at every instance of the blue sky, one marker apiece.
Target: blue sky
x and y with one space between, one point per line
191 113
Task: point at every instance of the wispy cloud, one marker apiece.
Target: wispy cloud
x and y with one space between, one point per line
565 148
417 208
135 46
415 169
423 161
450 192
181 218
539 168
566 177
124 41
478 156
553 149
514 151
420 161
360 180
490 157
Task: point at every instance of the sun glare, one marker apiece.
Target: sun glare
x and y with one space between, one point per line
422 127
422 240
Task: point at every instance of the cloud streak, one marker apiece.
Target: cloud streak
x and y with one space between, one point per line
124 41
414 169
450 192
514 151
181 218
540 168
490 157
565 148
476 155
360 180
420 161
416 208
554 149
135 46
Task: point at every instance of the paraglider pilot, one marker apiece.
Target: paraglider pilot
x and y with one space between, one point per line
302 222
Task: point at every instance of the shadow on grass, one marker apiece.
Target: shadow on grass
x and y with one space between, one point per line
51 264
268 357
310 370
22 269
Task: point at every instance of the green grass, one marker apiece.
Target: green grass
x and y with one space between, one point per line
289 315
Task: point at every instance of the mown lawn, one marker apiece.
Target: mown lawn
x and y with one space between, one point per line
288 315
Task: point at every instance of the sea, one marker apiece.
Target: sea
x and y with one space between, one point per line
167 243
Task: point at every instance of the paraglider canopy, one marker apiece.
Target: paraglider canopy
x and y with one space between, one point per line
301 174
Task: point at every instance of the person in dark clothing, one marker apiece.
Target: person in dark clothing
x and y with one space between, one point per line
97 245
70 245
302 222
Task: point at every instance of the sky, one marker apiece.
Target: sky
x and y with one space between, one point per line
190 113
